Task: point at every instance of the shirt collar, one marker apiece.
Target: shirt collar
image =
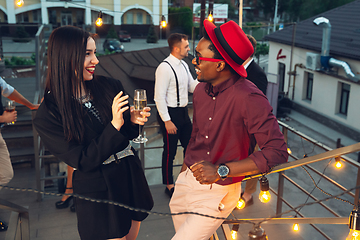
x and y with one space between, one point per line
213 91
247 64
174 59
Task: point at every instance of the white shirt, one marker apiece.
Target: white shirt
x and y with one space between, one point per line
248 63
165 85
6 89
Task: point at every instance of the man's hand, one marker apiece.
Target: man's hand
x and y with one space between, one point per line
170 127
205 172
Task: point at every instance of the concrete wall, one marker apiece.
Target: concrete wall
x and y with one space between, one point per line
326 86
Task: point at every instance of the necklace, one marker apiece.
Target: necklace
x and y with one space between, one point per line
85 98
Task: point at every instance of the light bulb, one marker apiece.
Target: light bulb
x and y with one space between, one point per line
99 22
289 151
19 3
163 24
240 204
234 231
210 17
264 196
296 227
338 163
233 234
353 235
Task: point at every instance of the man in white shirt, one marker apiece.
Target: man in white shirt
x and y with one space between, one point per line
6 170
173 82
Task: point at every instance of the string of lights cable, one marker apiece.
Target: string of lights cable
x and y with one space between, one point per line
322 190
237 221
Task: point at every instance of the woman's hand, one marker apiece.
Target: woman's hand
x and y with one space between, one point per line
118 109
139 117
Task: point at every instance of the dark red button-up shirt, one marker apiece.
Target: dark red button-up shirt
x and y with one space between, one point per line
226 119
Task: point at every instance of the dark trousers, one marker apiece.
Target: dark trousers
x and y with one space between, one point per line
180 117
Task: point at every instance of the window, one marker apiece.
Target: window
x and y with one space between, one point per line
22 17
344 98
129 18
281 74
148 19
139 18
309 86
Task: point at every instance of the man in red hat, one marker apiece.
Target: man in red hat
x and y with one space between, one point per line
230 115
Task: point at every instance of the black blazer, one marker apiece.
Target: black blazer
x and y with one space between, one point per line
100 141
257 75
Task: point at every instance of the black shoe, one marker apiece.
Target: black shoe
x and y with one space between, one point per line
72 207
249 202
63 204
169 192
3 226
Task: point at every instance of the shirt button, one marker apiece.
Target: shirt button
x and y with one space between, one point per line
210 118
206 137
213 98
208 153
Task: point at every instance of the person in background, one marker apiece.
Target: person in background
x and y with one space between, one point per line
229 112
257 76
6 170
65 200
85 121
173 82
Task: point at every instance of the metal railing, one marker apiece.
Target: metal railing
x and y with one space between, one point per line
19 226
281 199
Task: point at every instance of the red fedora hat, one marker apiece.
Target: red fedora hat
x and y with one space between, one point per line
232 43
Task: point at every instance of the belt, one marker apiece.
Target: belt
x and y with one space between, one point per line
117 156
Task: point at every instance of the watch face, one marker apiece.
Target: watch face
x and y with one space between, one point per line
223 171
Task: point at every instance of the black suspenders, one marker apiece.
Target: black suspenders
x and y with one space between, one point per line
177 82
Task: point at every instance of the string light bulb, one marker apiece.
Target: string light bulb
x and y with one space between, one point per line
210 17
354 225
163 21
257 233
264 195
240 204
99 21
234 231
296 227
289 151
338 163
19 3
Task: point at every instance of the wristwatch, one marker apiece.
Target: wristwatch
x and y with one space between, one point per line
223 171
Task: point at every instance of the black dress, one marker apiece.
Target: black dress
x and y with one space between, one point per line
121 181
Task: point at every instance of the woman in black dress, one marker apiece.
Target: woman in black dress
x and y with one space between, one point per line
85 121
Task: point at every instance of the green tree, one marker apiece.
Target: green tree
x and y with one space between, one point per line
181 18
112 33
261 49
152 36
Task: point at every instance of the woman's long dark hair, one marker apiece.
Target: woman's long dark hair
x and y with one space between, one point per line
66 56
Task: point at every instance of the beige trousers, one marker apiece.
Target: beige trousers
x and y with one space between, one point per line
6 170
190 196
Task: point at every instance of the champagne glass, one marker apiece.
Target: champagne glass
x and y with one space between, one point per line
139 104
10 107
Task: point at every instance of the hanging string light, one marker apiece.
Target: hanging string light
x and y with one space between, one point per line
354 225
257 233
296 226
240 204
19 3
99 21
234 231
289 150
210 17
338 163
163 21
264 195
